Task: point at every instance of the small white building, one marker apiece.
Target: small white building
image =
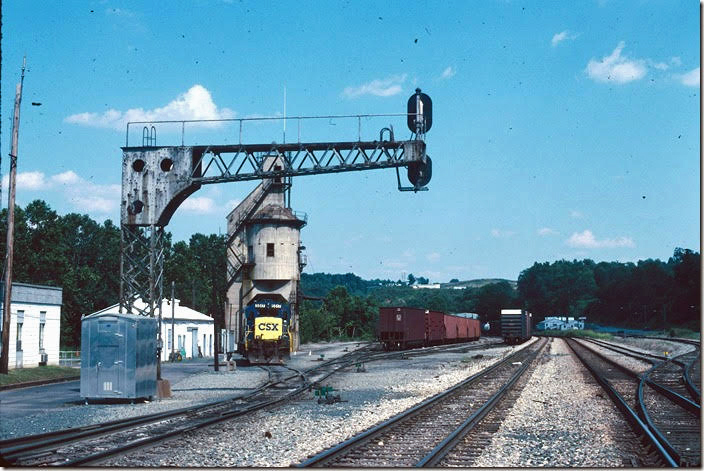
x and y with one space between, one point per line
428 286
561 323
35 325
194 330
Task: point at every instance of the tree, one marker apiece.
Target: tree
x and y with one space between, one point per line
411 279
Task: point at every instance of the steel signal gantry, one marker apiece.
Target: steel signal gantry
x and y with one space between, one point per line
157 179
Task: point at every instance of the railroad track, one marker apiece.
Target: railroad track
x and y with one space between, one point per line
419 436
93 444
674 373
668 422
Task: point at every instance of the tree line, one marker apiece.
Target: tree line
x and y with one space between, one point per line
649 294
82 256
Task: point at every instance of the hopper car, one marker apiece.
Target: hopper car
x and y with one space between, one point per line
515 325
409 327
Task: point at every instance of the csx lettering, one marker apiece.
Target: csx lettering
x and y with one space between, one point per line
268 326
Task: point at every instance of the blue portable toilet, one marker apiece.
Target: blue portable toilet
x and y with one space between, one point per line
118 356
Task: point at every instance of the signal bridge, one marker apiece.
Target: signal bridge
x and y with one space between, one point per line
156 180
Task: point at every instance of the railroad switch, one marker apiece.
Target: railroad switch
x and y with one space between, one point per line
321 357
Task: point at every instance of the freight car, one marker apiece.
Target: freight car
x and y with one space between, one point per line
266 338
515 325
408 327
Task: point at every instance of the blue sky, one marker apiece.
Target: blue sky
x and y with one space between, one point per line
560 129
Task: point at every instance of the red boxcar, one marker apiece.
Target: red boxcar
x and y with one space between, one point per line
403 327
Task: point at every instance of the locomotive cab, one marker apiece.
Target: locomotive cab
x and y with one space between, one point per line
266 333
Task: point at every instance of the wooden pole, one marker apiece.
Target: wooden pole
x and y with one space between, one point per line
5 355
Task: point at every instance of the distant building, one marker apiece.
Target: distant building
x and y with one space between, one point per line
35 325
428 286
561 323
193 330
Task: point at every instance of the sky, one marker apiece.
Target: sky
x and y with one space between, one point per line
561 130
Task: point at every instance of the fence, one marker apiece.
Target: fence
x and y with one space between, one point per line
70 358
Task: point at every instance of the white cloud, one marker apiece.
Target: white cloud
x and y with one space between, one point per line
26 181
433 257
199 204
93 197
68 177
449 72
691 78
616 69
546 231
658 65
196 103
94 204
586 240
100 200
231 204
576 214
120 12
559 37
501 234
386 87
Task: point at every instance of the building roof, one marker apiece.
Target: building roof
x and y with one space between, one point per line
36 294
181 313
274 213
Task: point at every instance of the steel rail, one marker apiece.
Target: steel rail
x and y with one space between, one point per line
22 447
651 425
626 410
342 447
97 458
674 396
16 448
440 451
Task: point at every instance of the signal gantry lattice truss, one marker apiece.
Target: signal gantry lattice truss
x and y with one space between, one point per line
156 180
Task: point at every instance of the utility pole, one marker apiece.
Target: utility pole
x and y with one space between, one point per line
173 323
5 356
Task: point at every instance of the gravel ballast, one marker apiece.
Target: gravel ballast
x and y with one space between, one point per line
560 419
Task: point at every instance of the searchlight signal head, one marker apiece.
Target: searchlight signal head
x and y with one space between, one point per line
420 113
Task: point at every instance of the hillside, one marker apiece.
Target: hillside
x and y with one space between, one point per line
478 283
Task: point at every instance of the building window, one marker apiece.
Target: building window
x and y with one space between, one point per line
42 325
269 250
170 338
19 336
210 346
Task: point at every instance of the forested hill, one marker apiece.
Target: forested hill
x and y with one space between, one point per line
318 285
81 256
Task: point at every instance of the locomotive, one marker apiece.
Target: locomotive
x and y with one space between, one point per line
266 338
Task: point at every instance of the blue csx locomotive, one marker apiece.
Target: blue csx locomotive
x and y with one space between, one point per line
266 331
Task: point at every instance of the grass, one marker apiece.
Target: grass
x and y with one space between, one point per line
25 375
683 333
